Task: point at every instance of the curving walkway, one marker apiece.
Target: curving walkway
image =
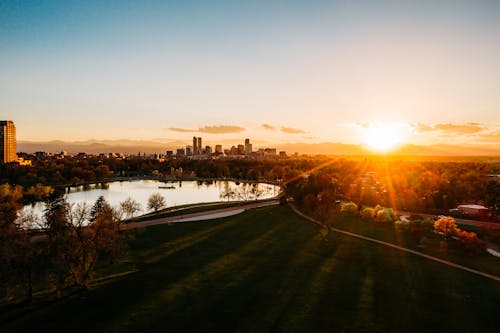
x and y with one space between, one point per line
397 247
199 216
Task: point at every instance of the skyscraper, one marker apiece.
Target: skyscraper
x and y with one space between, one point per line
7 141
248 147
195 146
199 146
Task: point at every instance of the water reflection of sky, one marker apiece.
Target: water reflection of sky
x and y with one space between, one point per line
186 192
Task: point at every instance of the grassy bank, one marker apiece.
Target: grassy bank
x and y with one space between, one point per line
189 209
267 270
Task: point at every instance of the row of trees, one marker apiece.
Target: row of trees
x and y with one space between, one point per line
74 170
403 185
71 241
420 186
74 238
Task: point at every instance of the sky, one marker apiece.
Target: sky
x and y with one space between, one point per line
281 71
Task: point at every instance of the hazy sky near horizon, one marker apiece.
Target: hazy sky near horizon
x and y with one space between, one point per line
287 71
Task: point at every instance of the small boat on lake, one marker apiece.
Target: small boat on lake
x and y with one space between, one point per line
167 187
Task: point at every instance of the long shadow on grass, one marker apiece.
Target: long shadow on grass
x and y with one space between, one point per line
123 301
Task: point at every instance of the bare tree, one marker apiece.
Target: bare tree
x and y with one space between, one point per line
130 207
77 235
249 192
227 192
156 202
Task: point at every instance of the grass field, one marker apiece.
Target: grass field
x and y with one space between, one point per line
267 270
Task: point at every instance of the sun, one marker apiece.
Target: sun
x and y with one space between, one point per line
382 137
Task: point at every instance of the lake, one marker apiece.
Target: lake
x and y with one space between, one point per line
175 193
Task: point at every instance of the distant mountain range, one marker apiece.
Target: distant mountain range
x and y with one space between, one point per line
324 148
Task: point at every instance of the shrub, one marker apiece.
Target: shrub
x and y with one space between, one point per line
401 225
384 215
470 243
349 208
368 213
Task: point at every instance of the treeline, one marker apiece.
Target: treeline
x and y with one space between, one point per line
432 187
72 170
421 186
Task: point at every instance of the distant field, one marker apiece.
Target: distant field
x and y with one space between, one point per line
268 270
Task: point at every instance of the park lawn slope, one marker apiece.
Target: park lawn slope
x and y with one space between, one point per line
269 270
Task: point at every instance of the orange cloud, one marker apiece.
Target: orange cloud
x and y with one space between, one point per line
291 130
451 129
491 137
220 129
268 127
184 130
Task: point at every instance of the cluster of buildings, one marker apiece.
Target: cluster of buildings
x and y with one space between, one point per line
8 153
197 151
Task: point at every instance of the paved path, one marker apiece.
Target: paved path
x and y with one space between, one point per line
475 223
199 216
400 248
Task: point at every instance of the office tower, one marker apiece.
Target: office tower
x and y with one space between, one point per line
208 150
189 151
199 146
241 150
248 147
218 149
195 146
7 141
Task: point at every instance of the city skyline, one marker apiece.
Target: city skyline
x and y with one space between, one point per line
426 72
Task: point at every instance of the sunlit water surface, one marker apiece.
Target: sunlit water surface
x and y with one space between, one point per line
177 193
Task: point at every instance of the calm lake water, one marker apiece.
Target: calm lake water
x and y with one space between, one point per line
177 193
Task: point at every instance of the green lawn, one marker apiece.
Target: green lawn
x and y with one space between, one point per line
268 270
389 233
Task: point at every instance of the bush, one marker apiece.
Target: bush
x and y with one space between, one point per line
402 225
349 208
470 243
384 215
368 213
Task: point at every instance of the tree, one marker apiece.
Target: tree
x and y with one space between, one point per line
17 254
492 196
446 225
98 207
77 235
60 244
102 172
16 249
130 207
227 192
156 202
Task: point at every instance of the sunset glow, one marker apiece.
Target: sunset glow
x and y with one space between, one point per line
294 76
382 137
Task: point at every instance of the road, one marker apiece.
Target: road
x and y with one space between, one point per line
474 223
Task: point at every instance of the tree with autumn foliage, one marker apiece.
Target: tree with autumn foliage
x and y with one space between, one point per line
470 243
446 225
